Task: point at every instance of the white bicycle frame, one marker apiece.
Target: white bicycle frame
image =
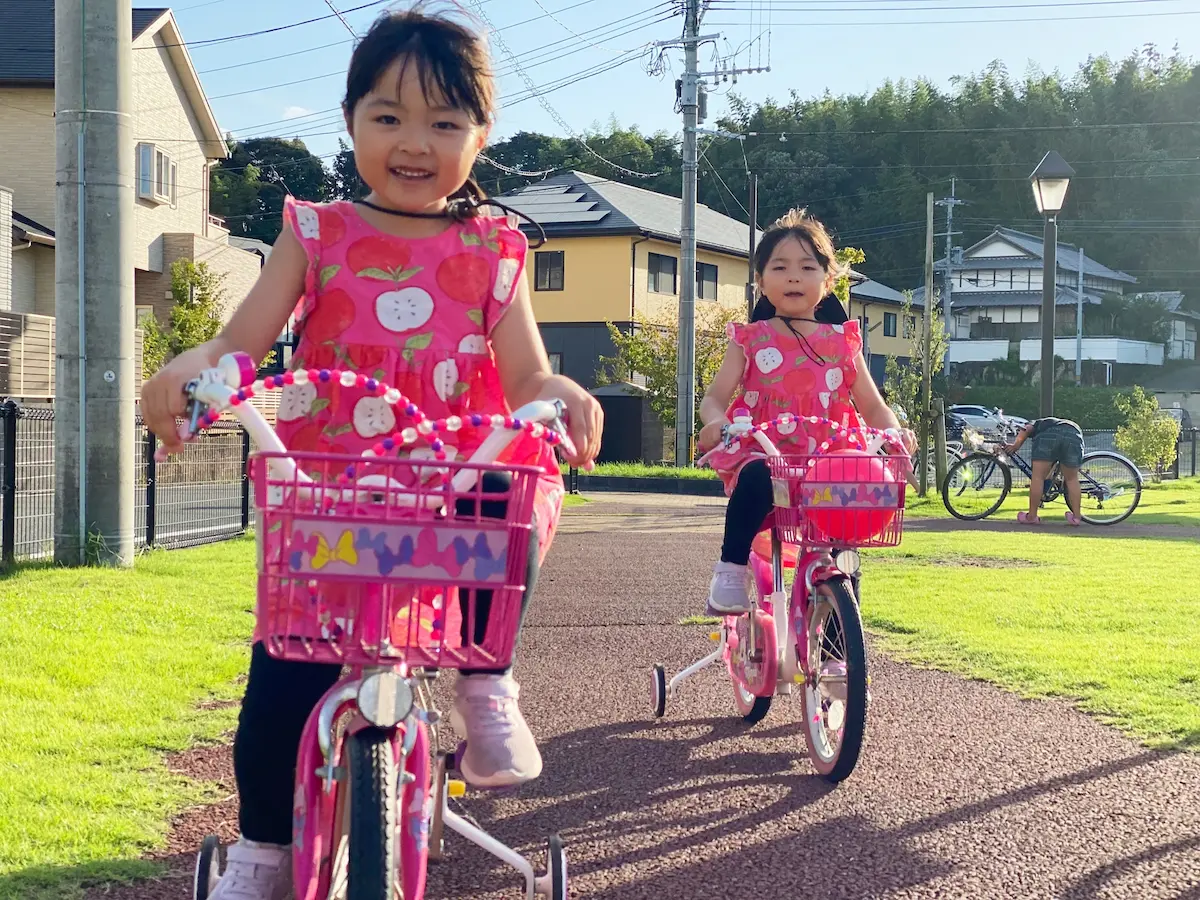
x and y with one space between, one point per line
212 389
787 664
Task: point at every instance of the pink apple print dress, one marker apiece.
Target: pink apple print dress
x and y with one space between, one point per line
416 314
781 377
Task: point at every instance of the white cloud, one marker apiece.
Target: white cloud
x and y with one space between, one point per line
295 112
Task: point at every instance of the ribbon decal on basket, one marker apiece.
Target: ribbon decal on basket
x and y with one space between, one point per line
343 552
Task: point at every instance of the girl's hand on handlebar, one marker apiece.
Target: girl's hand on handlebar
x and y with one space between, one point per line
163 398
909 440
712 434
585 418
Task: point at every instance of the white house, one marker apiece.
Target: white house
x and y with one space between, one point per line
996 304
176 142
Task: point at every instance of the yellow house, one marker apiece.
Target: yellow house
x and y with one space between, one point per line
612 252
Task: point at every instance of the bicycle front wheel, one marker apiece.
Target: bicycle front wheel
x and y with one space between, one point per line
374 858
1110 488
975 486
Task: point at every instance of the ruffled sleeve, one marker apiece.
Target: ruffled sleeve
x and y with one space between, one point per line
511 247
304 219
852 332
738 333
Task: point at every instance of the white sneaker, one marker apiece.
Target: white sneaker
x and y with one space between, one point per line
255 871
728 594
500 750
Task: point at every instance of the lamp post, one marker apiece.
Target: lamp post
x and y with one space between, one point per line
1049 180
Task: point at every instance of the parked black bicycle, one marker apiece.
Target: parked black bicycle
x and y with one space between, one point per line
978 484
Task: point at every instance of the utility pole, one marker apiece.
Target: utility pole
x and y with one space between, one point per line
948 285
927 362
690 88
753 245
94 304
1079 324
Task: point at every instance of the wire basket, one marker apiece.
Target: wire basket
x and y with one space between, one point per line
848 499
382 561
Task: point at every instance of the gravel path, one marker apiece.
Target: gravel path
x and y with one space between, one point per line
964 791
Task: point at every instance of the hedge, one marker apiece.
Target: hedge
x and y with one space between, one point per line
1091 407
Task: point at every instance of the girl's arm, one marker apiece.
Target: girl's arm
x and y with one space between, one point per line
871 405
719 393
525 375
253 329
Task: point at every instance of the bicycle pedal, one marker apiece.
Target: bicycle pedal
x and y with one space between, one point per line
456 788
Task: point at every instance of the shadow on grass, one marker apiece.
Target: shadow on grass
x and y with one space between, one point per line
75 882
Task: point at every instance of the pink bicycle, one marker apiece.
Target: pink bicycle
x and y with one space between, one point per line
361 561
826 505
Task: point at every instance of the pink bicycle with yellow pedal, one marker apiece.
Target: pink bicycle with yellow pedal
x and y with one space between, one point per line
826 505
361 563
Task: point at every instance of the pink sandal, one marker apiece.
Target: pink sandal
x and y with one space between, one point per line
1073 519
1025 519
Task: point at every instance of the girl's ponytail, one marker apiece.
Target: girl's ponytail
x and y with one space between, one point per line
764 309
465 202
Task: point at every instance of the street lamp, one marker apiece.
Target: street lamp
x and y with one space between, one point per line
1049 180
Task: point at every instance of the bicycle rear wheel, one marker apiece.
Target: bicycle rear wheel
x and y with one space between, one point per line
975 486
374 859
834 699
1110 488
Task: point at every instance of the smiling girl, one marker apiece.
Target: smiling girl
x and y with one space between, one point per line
785 360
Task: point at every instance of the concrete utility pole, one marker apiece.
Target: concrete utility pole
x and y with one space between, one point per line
685 363
948 288
1079 324
927 362
94 303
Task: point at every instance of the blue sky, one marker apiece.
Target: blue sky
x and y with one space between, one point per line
816 45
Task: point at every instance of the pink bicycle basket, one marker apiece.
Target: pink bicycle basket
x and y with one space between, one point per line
847 499
381 561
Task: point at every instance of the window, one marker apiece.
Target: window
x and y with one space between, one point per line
660 273
157 175
548 270
555 363
706 281
143 313
889 324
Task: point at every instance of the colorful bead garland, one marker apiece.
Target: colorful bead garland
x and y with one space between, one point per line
401 437
853 434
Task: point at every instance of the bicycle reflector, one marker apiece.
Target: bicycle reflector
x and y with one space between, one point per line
385 699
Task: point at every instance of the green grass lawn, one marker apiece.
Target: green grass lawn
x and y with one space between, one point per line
1110 623
103 673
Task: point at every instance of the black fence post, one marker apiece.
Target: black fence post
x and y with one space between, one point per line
151 487
8 539
245 480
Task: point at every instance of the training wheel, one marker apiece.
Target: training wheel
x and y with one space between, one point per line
554 883
208 869
658 691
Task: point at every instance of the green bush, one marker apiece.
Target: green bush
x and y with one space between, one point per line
1148 437
1091 407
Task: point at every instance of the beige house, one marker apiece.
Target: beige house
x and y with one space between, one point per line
176 142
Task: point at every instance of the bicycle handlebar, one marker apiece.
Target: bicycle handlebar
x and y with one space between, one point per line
874 439
214 390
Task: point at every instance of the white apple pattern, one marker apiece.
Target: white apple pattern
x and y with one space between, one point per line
373 417
768 359
506 274
840 329
812 446
309 223
751 398
295 401
788 427
445 377
834 378
473 343
824 398
404 310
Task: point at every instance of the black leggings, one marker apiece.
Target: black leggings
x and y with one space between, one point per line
280 695
750 503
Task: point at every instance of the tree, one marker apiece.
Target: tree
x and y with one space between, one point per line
345 182
1148 437
903 383
650 348
248 188
196 316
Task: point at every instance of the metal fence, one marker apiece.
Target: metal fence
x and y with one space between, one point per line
197 497
1185 454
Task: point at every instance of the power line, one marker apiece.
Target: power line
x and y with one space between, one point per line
208 42
909 8
981 130
925 22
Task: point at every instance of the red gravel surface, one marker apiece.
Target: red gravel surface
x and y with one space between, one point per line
963 791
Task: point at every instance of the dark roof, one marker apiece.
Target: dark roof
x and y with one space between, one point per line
24 227
1067 256
879 293
576 204
27 39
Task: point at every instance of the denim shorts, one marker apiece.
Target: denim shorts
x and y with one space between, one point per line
1059 443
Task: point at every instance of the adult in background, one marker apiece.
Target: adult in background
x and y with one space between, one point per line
1054 441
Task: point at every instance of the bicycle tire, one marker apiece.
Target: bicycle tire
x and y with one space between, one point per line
962 463
373 869
1136 478
854 728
